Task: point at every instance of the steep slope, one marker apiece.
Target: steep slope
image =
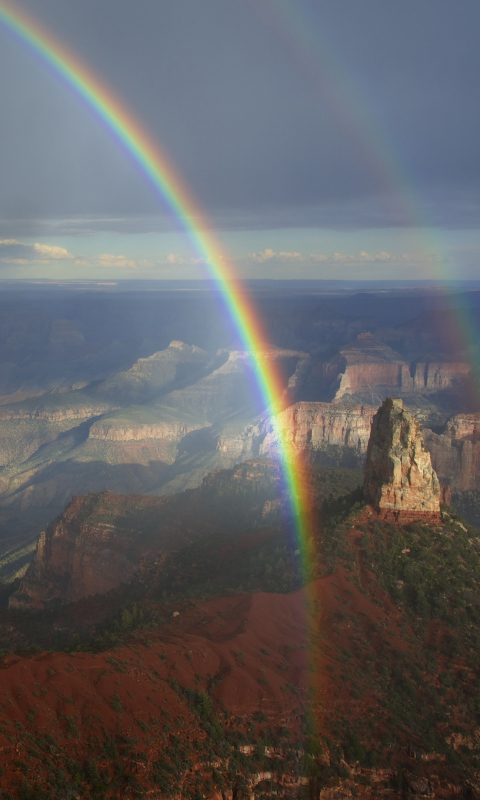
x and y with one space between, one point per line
149 376
367 370
456 459
456 452
77 442
100 540
361 683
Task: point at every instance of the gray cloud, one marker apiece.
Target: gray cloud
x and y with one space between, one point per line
265 134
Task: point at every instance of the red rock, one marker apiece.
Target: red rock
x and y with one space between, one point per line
368 364
456 452
399 479
90 549
311 426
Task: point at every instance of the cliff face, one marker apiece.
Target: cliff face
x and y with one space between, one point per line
399 479
170 431
456 452
437 375
311 428
366 364
151 376
85 551
101 539
369 365
82 408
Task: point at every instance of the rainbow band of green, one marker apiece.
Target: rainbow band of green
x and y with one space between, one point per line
167 182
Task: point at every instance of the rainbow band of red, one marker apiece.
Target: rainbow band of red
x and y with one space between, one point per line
160 172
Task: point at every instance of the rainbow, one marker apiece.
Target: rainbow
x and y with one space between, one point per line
162 175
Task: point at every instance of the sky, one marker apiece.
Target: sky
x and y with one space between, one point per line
322 140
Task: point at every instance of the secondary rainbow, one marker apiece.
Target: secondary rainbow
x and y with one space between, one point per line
161 173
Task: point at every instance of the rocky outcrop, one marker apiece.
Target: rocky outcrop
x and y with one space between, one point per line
149 377
438 375
102 539
399 479
81 553
369 366
310 428
456 452
169 431
82 408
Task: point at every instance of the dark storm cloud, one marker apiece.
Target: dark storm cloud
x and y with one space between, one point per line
264 136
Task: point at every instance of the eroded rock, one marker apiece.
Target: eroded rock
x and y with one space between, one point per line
399 478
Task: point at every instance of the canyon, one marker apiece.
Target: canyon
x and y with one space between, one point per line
108 411
198 643
101 540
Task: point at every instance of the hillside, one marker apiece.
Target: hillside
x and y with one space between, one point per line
228 667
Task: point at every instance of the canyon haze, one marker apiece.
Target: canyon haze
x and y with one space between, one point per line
146 389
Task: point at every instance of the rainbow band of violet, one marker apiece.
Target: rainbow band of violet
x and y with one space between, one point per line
157 167
342 92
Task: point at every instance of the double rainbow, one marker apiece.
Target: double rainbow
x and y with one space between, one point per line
168 184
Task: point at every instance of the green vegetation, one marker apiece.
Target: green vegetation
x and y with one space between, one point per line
254 558
432 573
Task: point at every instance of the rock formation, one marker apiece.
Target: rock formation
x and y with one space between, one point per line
151 376
89 549
322 431
368 366
399 479
102 539
456 452
439 375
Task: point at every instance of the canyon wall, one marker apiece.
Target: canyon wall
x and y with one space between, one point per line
368 365
102 539
438 375
97 543
311 428
107 430
456 452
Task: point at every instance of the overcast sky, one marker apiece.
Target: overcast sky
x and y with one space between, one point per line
323 139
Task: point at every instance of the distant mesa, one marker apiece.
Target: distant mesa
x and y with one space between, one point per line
368 365
400 482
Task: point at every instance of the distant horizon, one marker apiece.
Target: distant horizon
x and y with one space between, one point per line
209 284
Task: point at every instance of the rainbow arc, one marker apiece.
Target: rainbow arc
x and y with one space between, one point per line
171 189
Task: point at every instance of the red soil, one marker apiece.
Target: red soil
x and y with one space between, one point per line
265 651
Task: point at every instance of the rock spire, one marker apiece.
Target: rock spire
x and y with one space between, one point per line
399 478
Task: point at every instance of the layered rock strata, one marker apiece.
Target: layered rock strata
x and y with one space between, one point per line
102 539
399 479
367 365
310 428
88 550
456 452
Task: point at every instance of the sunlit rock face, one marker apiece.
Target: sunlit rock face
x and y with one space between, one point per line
399 478
311 426
368 365
313 429
456 452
